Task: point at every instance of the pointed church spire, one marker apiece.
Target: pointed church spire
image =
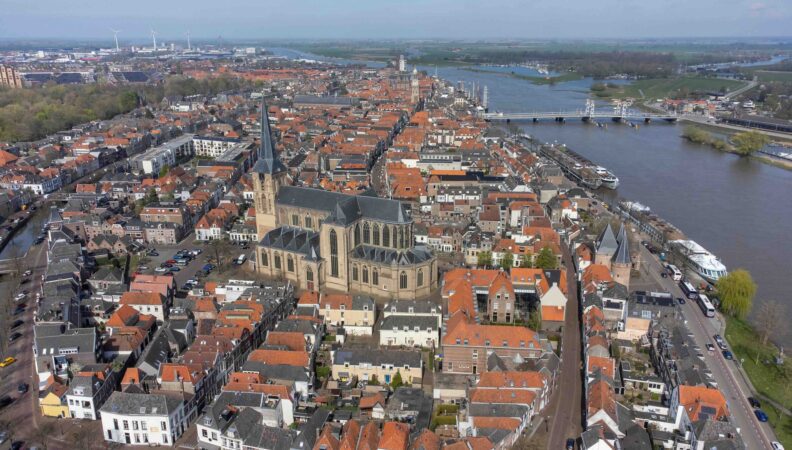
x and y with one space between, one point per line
267 161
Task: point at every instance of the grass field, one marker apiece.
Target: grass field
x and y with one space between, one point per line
656 88
770 75
768 379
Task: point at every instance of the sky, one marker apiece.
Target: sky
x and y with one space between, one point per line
394 19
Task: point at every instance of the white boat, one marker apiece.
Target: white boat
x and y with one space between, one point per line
701 261
609 180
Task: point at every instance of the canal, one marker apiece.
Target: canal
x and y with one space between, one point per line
739 209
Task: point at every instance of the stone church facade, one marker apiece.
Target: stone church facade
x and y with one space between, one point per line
322 240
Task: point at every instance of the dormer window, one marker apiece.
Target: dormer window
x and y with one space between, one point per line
522 343
458 341
505 343
410 310
343 307
487 343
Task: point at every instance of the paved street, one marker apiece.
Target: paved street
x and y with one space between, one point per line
566 404
25 406
756 435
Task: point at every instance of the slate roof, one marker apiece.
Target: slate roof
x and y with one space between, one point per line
268 162
399 358
294 240
415 255
109 274
57 337
343 208
398 321
277 371
606 242
141 404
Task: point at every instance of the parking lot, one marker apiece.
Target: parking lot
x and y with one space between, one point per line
207 256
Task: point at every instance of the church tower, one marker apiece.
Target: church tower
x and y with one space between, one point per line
269 174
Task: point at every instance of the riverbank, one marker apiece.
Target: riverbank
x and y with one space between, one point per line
655 88
569 76
697 134
771 382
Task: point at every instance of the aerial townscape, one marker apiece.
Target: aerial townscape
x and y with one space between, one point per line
231 243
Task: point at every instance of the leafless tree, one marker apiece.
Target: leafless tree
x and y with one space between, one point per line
769 318
8 289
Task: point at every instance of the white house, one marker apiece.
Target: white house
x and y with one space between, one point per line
411 331
143 419
87 394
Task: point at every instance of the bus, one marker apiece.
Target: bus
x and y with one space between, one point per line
689 290
673 272
241 259
706 305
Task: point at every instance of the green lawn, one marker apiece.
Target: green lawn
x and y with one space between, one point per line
768 75
656 88
768 379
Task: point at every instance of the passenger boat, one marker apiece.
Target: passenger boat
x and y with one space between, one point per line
701 261
609 180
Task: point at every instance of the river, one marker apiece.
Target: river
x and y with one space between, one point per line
737 208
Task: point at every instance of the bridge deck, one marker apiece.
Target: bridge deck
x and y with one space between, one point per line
577 115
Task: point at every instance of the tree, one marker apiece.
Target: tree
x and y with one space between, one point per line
769 319
535 319
221 249
748 142
546 259
507 261
736 292
397 380
373 381
164 171
151 197
485 259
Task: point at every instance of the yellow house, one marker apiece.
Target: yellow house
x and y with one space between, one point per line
52 401
365 364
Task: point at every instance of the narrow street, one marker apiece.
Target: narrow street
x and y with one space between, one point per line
565 407
756 435
23 412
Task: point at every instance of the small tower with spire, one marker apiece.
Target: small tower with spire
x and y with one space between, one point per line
415 90
622 264
269 174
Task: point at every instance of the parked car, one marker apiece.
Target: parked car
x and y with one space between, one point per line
570 444
728 355
3 436
754 402
14 336
680 300
760 415
20 296
17 445
174 269
8 361
161 269
710 347
171 261
22 388
5 401
27 273
153 253
777 445
143 267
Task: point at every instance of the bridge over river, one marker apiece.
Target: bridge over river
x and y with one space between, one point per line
620 113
